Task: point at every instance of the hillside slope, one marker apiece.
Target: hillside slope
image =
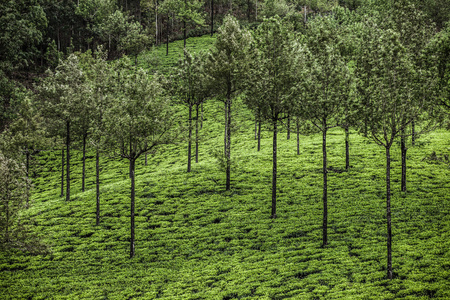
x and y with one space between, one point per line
195 241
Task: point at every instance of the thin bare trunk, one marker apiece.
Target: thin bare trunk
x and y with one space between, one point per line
347 148
228 144
259 134
132 167
83 175
305 13
403 152
68 161
97 185
212 17
298 135
184 27
226 129
274 171
62 172
201 123
156 23
7 218
388 212
196 135
27 153
289 127
325 183
189 139
167 35
256 126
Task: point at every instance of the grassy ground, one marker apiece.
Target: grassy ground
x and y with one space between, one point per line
195 241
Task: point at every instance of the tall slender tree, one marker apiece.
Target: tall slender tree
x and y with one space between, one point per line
387 69
63 94
226 66
139 120
328 90
99 74
269 84
416 31
190 85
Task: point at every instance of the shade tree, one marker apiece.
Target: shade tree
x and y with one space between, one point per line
25 136
99 74
226 65
327 91
416 31
138 120
384 67
190 84
63 96
269 83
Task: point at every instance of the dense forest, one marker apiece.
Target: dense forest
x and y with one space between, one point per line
153 138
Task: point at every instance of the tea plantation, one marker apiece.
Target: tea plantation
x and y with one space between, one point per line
196 241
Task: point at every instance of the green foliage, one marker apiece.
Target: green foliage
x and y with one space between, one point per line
14 187
271 72
140 117
271 8
195 241
438 54
26 134
135 41
22 24
328 79
227 58
11 96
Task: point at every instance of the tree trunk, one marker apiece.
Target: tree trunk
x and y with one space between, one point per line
298 135
132 162
347 148
256 126
83 176
146 154
248 10
289 127
403 151
189 139
413 133
196 135
156 23
325 191
62 172
226 130
388 212
274 171
256 10
184 27
167 36
305 14
27 153
7 218
259 134
68 161
212 17
228 145
97 185
201 123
